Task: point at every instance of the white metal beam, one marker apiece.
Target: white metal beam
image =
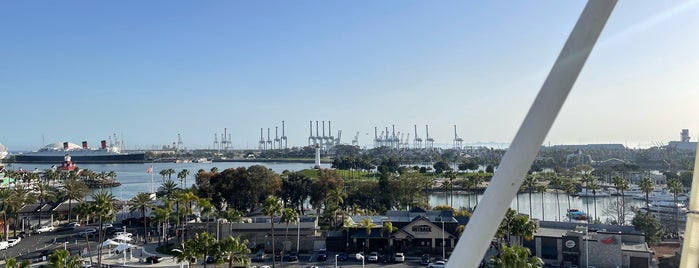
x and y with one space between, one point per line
520 155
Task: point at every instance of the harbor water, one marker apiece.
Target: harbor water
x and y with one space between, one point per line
134 179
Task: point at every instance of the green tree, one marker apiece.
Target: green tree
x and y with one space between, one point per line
676 188
288 216
569 189
621 185
649 225
103 207
646 186
7 203
367 224
182 175
516 256
594 185
272 207
387 228
74 190
141 202
236 251
44 193
556 182
542 189
60 259
530 182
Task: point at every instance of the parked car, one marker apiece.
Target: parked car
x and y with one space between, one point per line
322 255
13 242
88 233
292 256
359 256
373 257
437 264
4 245
73 224
386 258
154 259
342 256
44 229
399 257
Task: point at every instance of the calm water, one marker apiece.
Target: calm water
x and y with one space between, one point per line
134 179
550 211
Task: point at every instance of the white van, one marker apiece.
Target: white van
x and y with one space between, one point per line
4 245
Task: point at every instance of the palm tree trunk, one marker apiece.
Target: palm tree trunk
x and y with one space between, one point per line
274 261
594 200
568 206
558 205
70 203
530 202
623 208
145 225
543 216
89 252
618 209
99 251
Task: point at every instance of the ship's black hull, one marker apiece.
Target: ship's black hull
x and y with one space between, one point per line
83 159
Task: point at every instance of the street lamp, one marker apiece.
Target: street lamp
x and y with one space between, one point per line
443 252
336 260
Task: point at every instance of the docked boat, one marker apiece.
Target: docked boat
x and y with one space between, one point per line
596 193
660 195
634 190
577 215
666 210
55 153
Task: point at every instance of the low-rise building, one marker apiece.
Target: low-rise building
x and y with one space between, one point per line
566 244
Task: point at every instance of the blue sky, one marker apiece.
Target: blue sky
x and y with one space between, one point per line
148 70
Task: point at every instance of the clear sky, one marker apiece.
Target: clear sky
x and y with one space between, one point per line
148 70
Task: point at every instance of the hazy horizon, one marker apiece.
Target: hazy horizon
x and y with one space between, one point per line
148 71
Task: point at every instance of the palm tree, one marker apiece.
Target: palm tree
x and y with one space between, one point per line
288 216
676 187
74 190
586 179
516 256
569 189
103 207
214 170
620 184
188 198
45 193
594 185
272 207
236 250
163 173
367 224
60 259
646 186
451 175
387 228
163 215
182 175
556 182
141 202
23 196
530 182
7 202
168 189
476 180
542 189
523 227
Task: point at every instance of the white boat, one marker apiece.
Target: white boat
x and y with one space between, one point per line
665 210
596 193
633 190
3 151
661 195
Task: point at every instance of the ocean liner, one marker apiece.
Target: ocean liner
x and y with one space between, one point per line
56 152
